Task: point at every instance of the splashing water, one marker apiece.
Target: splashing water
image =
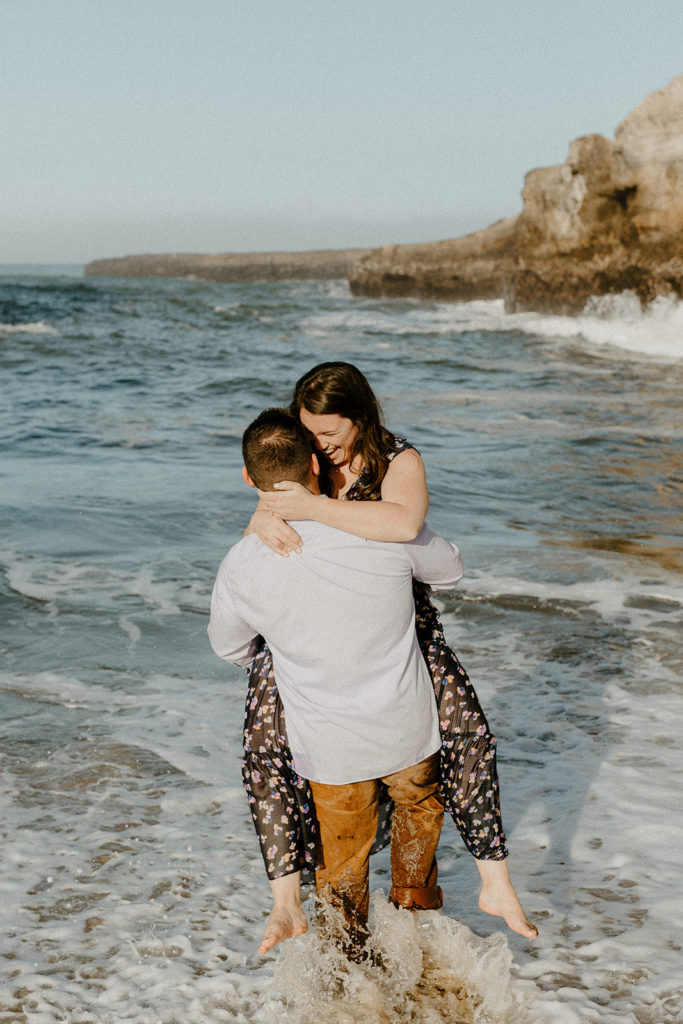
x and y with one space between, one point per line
428 968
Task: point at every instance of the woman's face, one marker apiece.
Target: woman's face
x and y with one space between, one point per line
334 435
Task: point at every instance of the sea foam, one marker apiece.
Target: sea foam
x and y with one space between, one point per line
618 321
608 324
30 328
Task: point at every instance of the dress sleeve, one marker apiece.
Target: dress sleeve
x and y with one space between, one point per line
400 445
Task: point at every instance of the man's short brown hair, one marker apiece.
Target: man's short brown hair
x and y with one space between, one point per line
276 447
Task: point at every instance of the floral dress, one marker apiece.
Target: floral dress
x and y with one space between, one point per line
280 800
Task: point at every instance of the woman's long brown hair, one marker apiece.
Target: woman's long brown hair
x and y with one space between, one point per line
341 389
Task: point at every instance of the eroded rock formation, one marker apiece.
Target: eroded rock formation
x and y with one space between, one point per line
609 219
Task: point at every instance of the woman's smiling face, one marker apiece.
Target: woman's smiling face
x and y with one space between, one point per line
334 435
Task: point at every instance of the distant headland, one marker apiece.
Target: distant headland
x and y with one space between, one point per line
609 219
322 265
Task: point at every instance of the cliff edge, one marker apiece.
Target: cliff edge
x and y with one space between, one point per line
609 219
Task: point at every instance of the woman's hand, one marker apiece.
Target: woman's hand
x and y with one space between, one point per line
290 501
274 532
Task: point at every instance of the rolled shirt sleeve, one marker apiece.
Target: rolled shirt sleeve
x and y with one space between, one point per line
435 560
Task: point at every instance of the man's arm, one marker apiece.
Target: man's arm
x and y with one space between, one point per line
230 635
435 561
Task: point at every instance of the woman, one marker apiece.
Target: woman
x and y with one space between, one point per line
380 486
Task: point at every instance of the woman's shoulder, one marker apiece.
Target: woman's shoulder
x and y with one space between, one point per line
364 488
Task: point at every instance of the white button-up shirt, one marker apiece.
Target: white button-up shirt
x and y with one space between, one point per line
339 619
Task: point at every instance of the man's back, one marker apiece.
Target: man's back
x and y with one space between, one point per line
339 619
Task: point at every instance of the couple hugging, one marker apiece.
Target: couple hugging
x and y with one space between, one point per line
355 700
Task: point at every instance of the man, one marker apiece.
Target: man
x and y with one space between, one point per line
358 700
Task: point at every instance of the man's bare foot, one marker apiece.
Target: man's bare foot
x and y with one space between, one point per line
283 923
498 897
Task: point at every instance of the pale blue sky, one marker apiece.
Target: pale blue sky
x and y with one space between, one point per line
217 125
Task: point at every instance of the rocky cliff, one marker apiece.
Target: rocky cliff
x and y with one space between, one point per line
326 264
609 219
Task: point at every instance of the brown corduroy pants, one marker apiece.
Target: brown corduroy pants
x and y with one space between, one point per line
347 817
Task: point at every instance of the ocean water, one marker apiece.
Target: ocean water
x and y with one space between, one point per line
131 887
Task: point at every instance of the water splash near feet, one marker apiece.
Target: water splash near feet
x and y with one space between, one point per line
428 968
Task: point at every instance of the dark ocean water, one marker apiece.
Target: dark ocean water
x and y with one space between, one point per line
132 886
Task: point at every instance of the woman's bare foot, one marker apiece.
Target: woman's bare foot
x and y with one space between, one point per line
287 919
498 897
283 923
